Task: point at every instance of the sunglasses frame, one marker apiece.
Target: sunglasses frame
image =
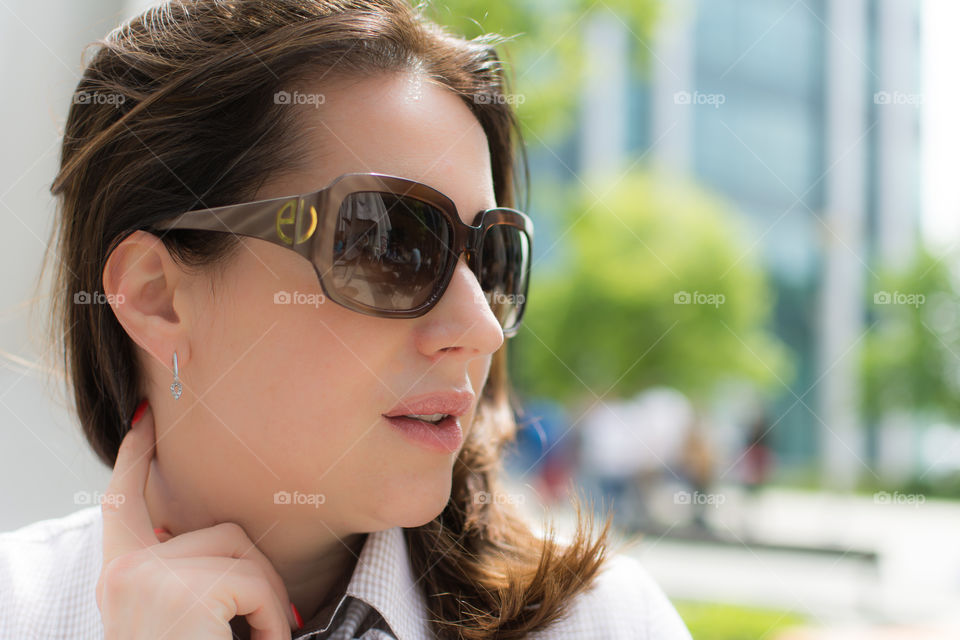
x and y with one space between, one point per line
296 223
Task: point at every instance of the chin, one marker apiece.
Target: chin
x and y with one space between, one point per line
419 518
419 508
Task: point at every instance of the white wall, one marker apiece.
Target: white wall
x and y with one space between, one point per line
44 460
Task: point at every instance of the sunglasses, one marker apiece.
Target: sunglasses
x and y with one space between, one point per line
386 246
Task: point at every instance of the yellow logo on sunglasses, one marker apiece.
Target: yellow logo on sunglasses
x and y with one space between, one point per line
291 213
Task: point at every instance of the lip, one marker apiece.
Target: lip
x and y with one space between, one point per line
454 403
445 437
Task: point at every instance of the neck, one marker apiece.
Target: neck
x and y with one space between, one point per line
314 561
315 584
318 579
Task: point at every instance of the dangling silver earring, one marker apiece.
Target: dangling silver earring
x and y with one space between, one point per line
176 388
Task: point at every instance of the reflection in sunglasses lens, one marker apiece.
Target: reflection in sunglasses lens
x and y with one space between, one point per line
504 271
389 249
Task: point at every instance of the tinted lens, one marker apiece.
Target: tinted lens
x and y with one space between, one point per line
505 268
389 250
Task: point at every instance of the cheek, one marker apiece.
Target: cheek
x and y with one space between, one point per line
315 379
291 379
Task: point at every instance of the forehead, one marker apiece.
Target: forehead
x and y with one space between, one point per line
399 124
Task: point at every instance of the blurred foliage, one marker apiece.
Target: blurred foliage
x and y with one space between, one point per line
911 355
545 52
607 317
728 622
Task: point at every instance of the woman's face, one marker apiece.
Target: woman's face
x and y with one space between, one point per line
290 397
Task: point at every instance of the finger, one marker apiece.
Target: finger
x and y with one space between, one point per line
126 521
227 540
237 587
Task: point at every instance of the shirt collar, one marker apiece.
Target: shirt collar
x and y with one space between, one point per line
384 579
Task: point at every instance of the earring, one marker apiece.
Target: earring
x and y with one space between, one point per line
176 388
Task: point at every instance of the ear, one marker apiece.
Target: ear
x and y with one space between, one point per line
149 295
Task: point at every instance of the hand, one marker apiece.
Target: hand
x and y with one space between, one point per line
186 586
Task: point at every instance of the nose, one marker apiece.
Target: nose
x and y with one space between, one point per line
462 319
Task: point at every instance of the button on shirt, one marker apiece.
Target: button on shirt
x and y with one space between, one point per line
49 572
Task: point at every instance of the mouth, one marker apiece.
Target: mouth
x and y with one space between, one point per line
442 435
434 408
435 419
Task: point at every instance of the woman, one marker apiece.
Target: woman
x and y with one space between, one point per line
263 338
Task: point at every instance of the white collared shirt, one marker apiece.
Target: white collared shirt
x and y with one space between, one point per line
49 571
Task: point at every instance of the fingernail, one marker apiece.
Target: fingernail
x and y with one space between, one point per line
296 614
139 412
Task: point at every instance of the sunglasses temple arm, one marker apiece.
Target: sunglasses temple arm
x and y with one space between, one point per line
287 222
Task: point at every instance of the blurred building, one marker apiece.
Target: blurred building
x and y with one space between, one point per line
804 113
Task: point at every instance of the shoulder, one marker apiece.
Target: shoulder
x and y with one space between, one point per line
624 601
48 575
55 542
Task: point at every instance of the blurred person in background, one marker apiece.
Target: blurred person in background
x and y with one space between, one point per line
544 451
758 457
697 461
630 449
756 465
610 459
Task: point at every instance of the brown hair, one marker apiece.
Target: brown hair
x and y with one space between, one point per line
176 111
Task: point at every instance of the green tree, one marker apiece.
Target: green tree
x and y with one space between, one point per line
607 318
545 52
911 355
657 288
